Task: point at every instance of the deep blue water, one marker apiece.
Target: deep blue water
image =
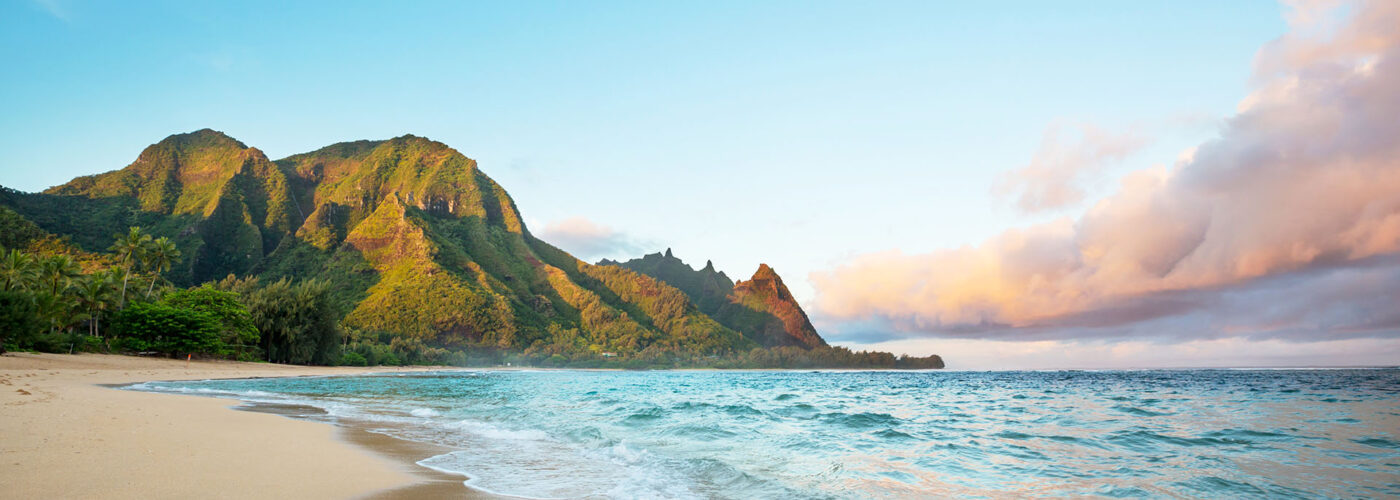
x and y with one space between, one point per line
737 434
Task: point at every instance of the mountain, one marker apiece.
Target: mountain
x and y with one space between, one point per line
418 242
761 308
423 252
225 203
765 292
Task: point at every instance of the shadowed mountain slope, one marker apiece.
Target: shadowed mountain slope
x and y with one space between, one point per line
417 242
762 308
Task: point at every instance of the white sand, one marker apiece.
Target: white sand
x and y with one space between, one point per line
64 436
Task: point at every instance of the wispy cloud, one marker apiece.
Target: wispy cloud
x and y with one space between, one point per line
1068 156
589 240
55 8
1298 197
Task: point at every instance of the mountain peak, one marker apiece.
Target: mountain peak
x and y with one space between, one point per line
424 144
205 137
766 292
765 279
762 308
182 174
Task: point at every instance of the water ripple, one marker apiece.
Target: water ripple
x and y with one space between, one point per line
717 434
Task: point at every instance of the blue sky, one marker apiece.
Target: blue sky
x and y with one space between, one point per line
800 134
741 132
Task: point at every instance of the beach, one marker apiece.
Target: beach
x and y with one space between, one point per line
64 433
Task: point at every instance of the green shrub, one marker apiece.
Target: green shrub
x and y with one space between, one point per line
235 324
352 359
50 342
170 330
81 342
19 320
250 355
390 360
64 343
130 345
555 360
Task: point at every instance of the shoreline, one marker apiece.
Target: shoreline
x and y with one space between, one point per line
71 433
433 483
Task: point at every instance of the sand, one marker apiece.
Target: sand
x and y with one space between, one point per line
63 434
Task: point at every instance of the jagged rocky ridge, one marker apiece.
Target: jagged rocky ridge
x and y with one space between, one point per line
761 308
418 242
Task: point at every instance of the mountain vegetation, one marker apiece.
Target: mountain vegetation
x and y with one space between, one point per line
762 308
365 252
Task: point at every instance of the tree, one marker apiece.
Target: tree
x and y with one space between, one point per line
298 322
159 256
235 323
95 295
17 270
131 248
19 321
56 275
168 329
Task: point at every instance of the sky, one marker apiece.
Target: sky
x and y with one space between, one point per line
1008 184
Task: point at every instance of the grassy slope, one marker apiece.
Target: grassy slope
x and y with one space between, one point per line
415 239
225 204
761 308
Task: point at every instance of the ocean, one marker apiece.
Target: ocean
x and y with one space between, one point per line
875 434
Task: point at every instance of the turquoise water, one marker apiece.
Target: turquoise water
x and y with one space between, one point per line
720 434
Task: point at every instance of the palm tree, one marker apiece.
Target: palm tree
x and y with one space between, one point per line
49 308
131 248
56 274
95 294
16 270
159 257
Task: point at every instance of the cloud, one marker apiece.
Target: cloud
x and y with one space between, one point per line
1052 179
979 354
589 240
1299 196
1343 302
53 8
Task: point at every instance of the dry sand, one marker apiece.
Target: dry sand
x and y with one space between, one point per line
64 435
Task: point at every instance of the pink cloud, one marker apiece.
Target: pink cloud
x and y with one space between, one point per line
1052 180
979 354
1305 176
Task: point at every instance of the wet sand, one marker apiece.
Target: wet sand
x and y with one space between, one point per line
432 483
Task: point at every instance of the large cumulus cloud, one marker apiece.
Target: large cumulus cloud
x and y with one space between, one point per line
1285 225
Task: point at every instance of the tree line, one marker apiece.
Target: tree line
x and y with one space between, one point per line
55 298
121 302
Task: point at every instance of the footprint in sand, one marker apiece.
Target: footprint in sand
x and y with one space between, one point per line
22 392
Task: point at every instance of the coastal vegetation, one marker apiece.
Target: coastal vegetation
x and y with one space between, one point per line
369 252
54 302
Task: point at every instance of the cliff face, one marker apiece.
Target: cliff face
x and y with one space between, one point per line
345 182
766 292
762 308
416 240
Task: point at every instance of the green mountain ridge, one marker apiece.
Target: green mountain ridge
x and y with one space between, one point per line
416 240
762 307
